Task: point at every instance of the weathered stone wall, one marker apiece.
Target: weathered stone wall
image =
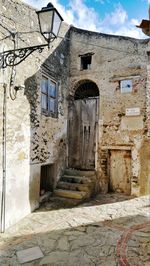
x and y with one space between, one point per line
114 59
32 139
145 149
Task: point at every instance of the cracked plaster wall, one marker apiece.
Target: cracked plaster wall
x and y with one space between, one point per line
32 139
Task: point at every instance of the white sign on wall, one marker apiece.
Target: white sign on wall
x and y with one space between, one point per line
132 111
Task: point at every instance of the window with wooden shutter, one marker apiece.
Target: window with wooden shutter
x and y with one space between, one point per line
49 101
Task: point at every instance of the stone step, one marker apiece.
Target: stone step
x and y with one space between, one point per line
71 194
62 202
77 179
74 186
86 173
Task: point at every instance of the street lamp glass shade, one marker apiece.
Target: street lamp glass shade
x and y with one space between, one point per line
49 22
56 23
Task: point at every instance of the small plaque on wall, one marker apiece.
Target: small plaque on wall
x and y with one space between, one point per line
132 111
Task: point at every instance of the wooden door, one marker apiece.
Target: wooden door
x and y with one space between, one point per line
120 171
82 133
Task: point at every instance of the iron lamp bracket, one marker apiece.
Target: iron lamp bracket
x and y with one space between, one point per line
14 57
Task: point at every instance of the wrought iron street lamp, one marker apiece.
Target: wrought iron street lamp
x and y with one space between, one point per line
49 23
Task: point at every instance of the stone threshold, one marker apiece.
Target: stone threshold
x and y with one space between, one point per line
45 197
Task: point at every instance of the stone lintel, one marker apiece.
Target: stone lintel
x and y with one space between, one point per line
123 78
121 147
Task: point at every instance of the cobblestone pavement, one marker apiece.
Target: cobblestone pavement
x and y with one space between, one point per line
100 232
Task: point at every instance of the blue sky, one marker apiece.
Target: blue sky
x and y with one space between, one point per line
106 16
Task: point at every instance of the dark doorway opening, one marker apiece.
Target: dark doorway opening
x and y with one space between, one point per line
47 178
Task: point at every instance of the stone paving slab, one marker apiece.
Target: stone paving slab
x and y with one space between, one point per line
111 234
29 254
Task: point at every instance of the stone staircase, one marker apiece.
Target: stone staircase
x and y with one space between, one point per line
75 186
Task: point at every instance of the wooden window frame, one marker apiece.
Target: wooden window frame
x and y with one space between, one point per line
47 111
83 59
84 63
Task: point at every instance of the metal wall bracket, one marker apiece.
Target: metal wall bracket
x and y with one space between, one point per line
15 57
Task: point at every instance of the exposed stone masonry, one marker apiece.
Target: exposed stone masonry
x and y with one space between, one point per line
125 58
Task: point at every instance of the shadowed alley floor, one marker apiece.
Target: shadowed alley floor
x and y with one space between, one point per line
108 230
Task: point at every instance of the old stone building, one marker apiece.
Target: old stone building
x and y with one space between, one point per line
117 67
97 117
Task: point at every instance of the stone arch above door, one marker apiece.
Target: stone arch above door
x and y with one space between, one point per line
84 89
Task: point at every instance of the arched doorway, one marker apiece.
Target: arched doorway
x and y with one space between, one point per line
83 118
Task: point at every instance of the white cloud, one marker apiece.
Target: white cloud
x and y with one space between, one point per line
67 14
118 16
102 1
82 16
